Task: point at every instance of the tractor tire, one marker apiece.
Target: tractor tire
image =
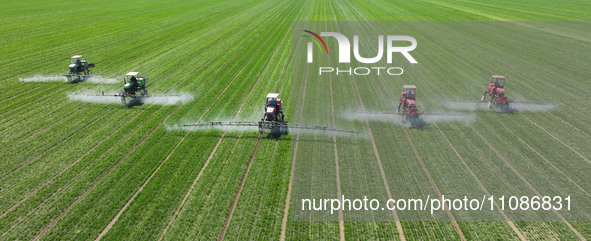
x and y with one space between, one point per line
145 92
493 102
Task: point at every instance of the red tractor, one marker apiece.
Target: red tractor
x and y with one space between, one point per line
273 110
496 92
408 103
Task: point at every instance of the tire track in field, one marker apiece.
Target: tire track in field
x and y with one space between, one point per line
547 132
425 169
223 135
84 169
555 138
220 15
295 151
505 216
519 233
452 218
53 222
213 43
562 104
29 101
454 222
543 157
237 195
203 23
507 219
51 148
53 178
476 12
378 158
127 60
526 85
500 156
169 59
38 131
293 158
434 185
334 138
244 176
63 140
72 164
379 162
569 124
65 47
28 115
22 93
116 218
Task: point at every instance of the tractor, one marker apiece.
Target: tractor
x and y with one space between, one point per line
496 92
273 110
79 67
135 87
408 103
273 117
273 120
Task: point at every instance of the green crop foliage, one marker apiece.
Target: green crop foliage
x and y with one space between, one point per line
76 170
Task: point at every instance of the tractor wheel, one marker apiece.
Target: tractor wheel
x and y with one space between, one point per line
145 92
261 128
493 102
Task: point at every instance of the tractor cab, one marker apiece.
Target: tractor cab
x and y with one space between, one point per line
134 82
409 93
408 103
496 85
79 68
76 63
76 59
273 101
273 110
498 80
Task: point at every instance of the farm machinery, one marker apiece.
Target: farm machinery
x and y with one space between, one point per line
273 120
496 93
409 113
408 104
134 87
79 68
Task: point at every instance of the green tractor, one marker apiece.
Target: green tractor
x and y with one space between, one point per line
135 87
79 68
